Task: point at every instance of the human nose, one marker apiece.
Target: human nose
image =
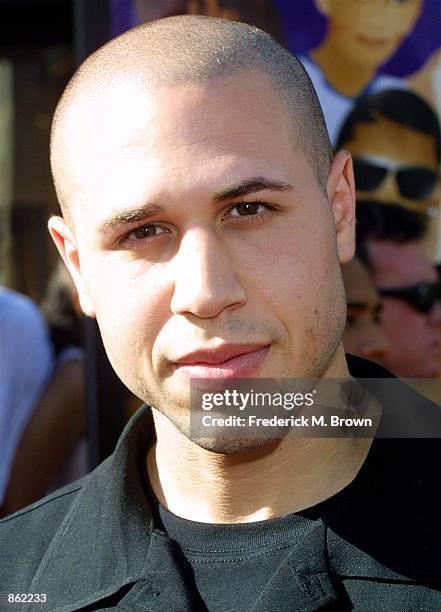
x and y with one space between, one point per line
375 344
205 282
434 314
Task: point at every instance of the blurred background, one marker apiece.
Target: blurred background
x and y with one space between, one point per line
376 66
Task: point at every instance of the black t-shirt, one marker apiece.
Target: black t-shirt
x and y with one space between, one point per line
231 564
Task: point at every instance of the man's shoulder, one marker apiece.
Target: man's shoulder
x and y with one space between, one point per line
388 527
58 545
407 411
54 504
26 535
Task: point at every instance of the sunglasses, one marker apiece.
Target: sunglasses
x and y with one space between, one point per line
414 182
421 296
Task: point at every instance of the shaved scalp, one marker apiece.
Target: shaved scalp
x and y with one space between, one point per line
193 48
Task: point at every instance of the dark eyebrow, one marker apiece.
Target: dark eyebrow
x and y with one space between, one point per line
229 192
249 186
130 216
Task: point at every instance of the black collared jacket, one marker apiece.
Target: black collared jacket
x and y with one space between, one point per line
93 544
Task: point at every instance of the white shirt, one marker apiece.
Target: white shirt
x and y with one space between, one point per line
336 106
26 364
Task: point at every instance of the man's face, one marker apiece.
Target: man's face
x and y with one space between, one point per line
383 143
414 341
369 31
363 335
204 244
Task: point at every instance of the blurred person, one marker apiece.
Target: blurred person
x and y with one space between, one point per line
211 246
395 140
61 308
52 450
26 365
391 239
363 335
411 318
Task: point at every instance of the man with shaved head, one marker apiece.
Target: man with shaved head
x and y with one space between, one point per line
204 224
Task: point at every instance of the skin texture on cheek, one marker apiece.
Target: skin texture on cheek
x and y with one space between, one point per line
129 313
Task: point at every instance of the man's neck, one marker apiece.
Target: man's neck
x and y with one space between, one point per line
281 477
345 74
278 479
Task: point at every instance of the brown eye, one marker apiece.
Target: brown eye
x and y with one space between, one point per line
146 231
247 209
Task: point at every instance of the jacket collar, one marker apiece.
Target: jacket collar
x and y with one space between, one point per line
103 541
113 544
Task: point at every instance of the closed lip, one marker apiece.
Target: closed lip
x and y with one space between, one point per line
373 40
218 355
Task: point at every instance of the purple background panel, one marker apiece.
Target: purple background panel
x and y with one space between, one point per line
123 16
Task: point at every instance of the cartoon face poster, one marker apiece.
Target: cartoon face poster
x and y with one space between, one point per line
349 47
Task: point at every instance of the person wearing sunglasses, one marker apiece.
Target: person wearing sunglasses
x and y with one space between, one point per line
409 286
363 335
422 296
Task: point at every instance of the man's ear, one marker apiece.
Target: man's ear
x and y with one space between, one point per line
341 195
67 247
322 6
